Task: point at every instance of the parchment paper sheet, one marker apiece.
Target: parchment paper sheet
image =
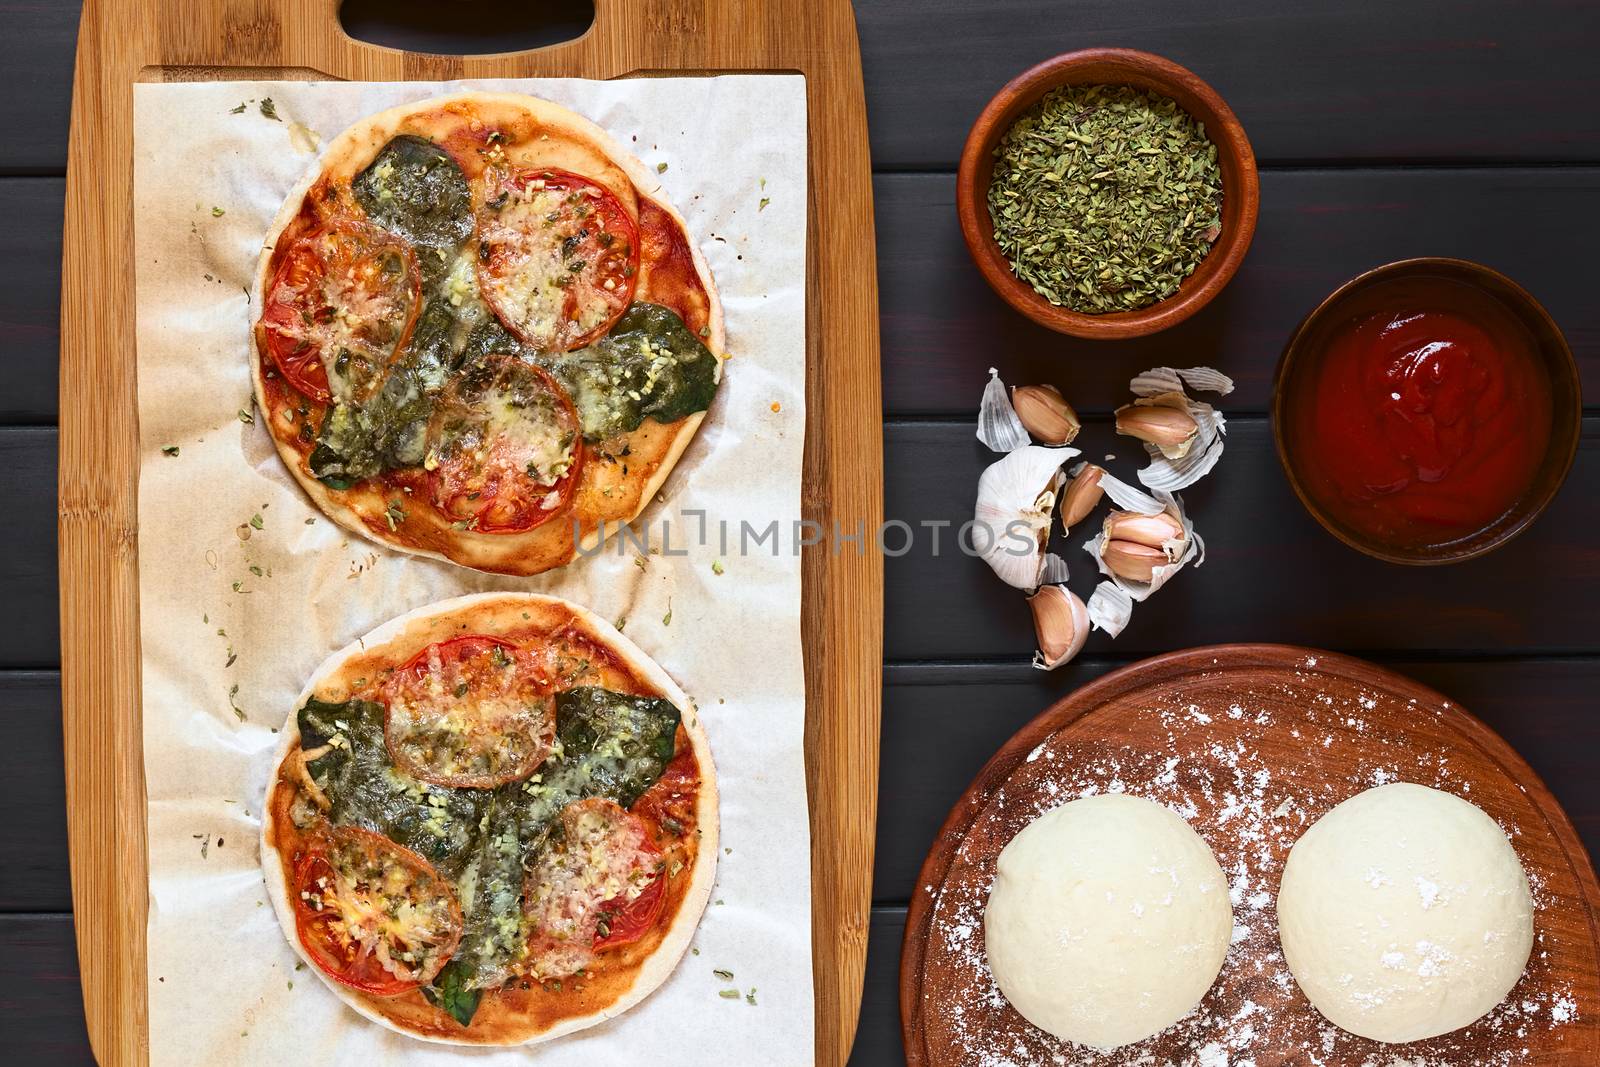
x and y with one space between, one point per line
222 983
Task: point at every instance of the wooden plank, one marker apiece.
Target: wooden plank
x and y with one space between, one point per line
44 1018
1256 582
1270 572
39 992
122 41
943 326
28 566
33 835
44 1015
1430 79
30 291
942 723
36 56
1434 80
878 1041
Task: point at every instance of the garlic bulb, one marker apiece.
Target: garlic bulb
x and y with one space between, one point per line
1061 623
1183 436
998 425
1046 414
1083 494
1011 523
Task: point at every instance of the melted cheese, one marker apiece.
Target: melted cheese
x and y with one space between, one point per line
400 915
602 862
357 341
481 721
531 436
509 442
527 282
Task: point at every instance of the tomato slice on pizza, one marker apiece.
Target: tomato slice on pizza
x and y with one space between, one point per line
472 712
371 914
629 920
341 306
504 449
669 803
558 256
598 887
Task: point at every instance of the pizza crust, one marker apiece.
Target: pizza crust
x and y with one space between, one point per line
577 144
474 610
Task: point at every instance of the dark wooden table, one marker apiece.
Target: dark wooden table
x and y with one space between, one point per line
1428 127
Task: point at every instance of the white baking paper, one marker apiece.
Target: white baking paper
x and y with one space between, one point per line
232 627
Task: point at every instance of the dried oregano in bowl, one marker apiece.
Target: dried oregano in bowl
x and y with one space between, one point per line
1105 197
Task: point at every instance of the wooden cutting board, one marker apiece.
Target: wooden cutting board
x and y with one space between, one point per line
1253 743
123 41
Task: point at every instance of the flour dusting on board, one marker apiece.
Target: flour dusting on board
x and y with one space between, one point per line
1210 769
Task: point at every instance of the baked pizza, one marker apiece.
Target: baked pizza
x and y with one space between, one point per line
492 821
482 333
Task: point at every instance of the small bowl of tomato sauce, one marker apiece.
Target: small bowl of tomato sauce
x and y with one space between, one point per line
1427 411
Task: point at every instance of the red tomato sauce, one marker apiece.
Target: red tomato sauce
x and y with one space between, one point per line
1427 415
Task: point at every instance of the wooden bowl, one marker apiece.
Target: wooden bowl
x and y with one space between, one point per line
1253 743
1241 192
1300 357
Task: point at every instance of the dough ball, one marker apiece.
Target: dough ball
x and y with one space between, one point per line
1108 920
1405 914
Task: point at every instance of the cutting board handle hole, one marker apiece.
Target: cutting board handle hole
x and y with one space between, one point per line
467 27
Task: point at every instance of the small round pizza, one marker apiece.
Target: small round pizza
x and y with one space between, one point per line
481 332
492 821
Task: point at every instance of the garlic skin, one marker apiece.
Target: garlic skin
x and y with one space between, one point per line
1046 414
1054 571
1110 608
1157 421
998 425
1082 496
1011 522
1162 530
1060 622
1131 561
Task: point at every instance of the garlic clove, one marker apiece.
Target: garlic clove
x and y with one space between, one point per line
1061 623
1161 530
1132 561
1082 495
1164 427
1045 413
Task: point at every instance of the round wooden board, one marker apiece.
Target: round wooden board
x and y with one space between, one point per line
1252 744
